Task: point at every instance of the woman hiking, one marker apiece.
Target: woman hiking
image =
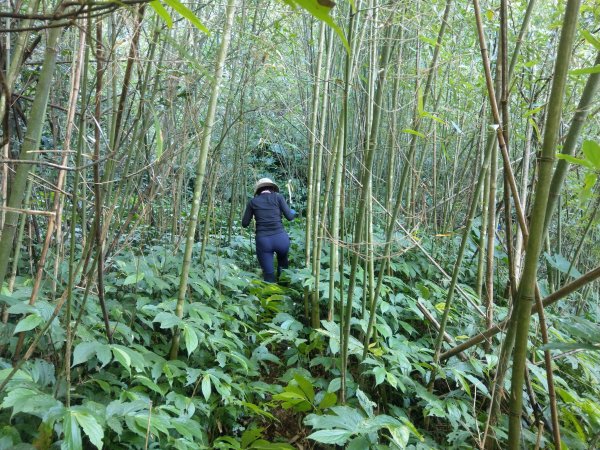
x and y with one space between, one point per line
267 207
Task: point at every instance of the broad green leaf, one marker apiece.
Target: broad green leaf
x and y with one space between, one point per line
261 444
573 160
136 359
22 308
306 387
411 131
206 387
72 431
342 417
167 319
122 357
589 182
288 395
150 384
19 377
334 385
249 436
400 435
257 410
366 404
133 278
591 39
28 323
328 400
187 13
338 437
90 426
391 378
191 339
84 351
31 401
359 443
586 70
379 373
591 150
561 263
162 12
188 428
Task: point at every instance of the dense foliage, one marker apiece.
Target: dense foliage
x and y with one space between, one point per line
443 157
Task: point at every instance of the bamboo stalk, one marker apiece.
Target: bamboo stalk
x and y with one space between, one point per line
201 170
31 141
527 284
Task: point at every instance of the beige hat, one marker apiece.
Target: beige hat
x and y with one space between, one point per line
264 182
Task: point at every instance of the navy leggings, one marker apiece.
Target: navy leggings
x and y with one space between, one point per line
265 247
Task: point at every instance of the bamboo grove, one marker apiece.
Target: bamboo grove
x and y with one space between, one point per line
443 157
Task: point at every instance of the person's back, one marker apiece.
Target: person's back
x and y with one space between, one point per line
267 207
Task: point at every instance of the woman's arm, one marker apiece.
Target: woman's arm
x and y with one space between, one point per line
247 215
285 209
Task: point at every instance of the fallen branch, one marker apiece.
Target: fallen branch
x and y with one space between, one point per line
586 278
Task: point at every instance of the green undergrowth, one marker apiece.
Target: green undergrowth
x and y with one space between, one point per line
250 373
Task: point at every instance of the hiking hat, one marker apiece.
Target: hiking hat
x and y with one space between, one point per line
265 182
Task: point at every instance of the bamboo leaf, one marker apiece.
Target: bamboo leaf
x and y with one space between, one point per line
159 137
320 9
159 9
427 40
415 132
420 106
188 14
533 111
568 346
591 39
586 70
535 127
576 161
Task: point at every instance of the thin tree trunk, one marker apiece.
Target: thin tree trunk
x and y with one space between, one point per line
201 170
527 283
31 143
97 188
56 208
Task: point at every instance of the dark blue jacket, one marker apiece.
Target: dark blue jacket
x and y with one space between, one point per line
267 210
